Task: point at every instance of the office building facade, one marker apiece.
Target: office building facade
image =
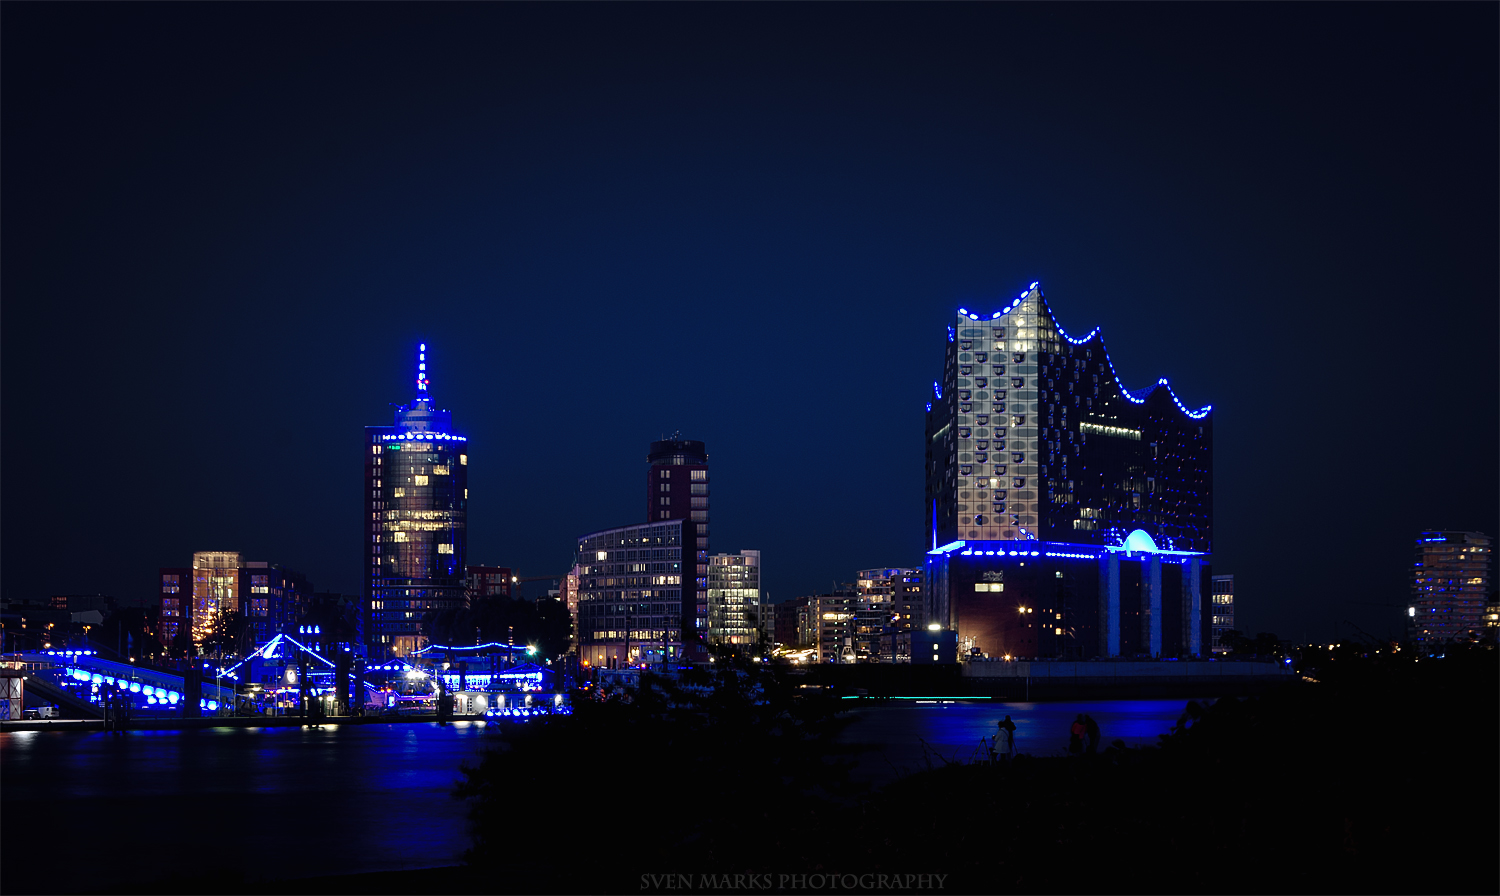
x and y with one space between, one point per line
415 521
635 597
734 600
1067 516
1450 588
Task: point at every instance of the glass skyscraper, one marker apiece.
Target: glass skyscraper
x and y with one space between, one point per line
416 521
1066 515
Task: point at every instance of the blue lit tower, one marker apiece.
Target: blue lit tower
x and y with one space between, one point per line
1035 450
416 520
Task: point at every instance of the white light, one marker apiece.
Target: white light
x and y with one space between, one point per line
422 347
934 627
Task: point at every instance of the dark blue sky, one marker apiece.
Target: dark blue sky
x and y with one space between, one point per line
225 228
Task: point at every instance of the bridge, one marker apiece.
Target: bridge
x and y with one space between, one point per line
70 677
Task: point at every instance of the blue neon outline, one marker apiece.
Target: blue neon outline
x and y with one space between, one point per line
1097 331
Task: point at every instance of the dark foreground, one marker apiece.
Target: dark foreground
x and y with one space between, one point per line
1350 784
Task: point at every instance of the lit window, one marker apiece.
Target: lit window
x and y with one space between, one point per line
398 493
445 549
440 470
463 459
419 479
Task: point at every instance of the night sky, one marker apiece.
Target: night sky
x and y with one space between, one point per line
227 227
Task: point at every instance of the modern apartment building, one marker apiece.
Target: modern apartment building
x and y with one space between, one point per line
734 600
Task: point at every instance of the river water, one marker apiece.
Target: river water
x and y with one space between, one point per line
89 810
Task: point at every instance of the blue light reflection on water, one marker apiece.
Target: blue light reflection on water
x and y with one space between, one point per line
891 735
341 799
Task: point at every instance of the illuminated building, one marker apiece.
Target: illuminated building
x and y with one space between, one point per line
835 619
1450 587
217 593
634 602
891 602
569 597
415 521
174 603
1223 612
1067 516
222 587
734 599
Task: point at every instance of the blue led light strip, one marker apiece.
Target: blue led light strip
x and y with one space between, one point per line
429 436
1196 415
475 647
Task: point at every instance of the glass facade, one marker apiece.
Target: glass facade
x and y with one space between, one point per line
416 522
734 599
634 600
216 593
1030 436
1051 484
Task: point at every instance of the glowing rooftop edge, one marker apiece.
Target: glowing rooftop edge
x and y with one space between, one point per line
1096 332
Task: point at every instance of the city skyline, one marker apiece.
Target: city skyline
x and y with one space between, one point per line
766 246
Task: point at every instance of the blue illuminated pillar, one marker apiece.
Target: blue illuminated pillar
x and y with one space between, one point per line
1192 596
1152 570
1109 603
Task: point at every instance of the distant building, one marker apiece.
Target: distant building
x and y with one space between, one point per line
569 597
836 619
807 621
634 600
1223 611
1068 516
1450 587
277 599
677 489
218 589
83 603
222 589
891 599
677 482
415 521
482 582
931 646
734 599
174 603
766 619
784 623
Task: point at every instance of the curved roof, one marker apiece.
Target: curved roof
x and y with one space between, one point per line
1136 396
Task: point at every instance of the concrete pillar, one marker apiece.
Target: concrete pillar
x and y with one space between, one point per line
1152 575
1109 604
1192 610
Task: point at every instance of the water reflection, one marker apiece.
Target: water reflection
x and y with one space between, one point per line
91 809
893 734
